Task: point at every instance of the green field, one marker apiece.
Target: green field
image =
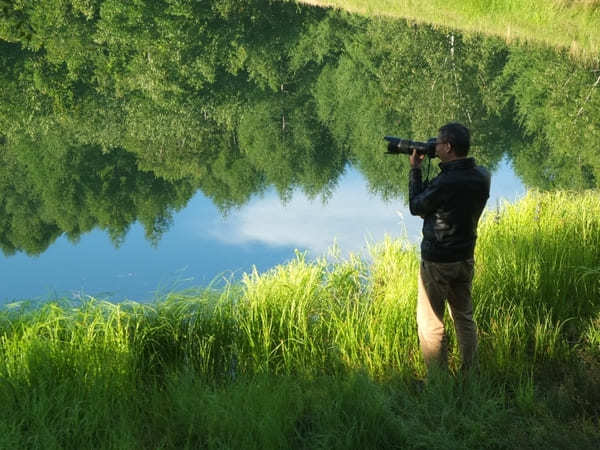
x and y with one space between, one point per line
566 24
324 354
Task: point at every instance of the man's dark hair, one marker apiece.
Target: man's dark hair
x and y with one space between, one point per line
458 136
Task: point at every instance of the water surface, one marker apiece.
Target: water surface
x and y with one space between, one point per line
146 149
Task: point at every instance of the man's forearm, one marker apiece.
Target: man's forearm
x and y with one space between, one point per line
415 187
415 184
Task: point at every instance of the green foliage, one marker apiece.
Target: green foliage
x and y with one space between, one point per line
74 189
324 354
282 139
563 123
233 97
333 316
533 294
138 104
562 24
394 79
540 254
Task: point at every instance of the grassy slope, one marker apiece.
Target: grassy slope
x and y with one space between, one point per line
572 25
324 354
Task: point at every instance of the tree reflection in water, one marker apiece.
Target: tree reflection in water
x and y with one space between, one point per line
113 112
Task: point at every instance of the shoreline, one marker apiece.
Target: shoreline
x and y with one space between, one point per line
568 28
325 354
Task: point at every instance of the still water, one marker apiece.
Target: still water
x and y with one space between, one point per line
145 150
204 247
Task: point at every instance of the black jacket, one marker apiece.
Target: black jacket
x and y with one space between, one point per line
450 206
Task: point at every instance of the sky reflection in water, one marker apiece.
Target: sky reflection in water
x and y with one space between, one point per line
203 246
262 99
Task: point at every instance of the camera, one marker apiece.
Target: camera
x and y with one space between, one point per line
398 145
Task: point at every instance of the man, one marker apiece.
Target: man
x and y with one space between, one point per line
450 206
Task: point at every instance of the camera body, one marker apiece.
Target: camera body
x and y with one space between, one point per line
404 146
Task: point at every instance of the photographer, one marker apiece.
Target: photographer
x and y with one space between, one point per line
450 206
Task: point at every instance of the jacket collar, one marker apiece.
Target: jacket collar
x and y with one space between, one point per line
463 163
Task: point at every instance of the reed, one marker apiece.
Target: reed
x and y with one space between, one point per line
282 343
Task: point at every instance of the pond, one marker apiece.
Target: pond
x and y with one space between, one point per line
147 148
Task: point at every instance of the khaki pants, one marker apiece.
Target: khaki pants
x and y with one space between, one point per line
439 282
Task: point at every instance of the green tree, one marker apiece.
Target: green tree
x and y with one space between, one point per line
557 103
71 190
396 79
140 103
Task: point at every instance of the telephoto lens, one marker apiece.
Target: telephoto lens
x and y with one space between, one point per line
405 146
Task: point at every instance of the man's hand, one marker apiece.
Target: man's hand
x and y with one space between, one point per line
416 159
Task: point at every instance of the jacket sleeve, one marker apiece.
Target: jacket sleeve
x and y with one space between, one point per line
423 200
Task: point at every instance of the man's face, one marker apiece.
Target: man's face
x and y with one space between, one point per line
442 148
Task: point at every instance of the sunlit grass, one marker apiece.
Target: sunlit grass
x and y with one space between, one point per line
315 347
565 24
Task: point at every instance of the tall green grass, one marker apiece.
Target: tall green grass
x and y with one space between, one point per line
565 24
324 354
537 284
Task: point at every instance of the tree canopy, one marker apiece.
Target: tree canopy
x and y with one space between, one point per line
112 112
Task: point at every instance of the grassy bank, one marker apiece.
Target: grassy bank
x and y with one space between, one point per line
324 354
568 24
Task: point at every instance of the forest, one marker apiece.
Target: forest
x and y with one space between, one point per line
112 112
